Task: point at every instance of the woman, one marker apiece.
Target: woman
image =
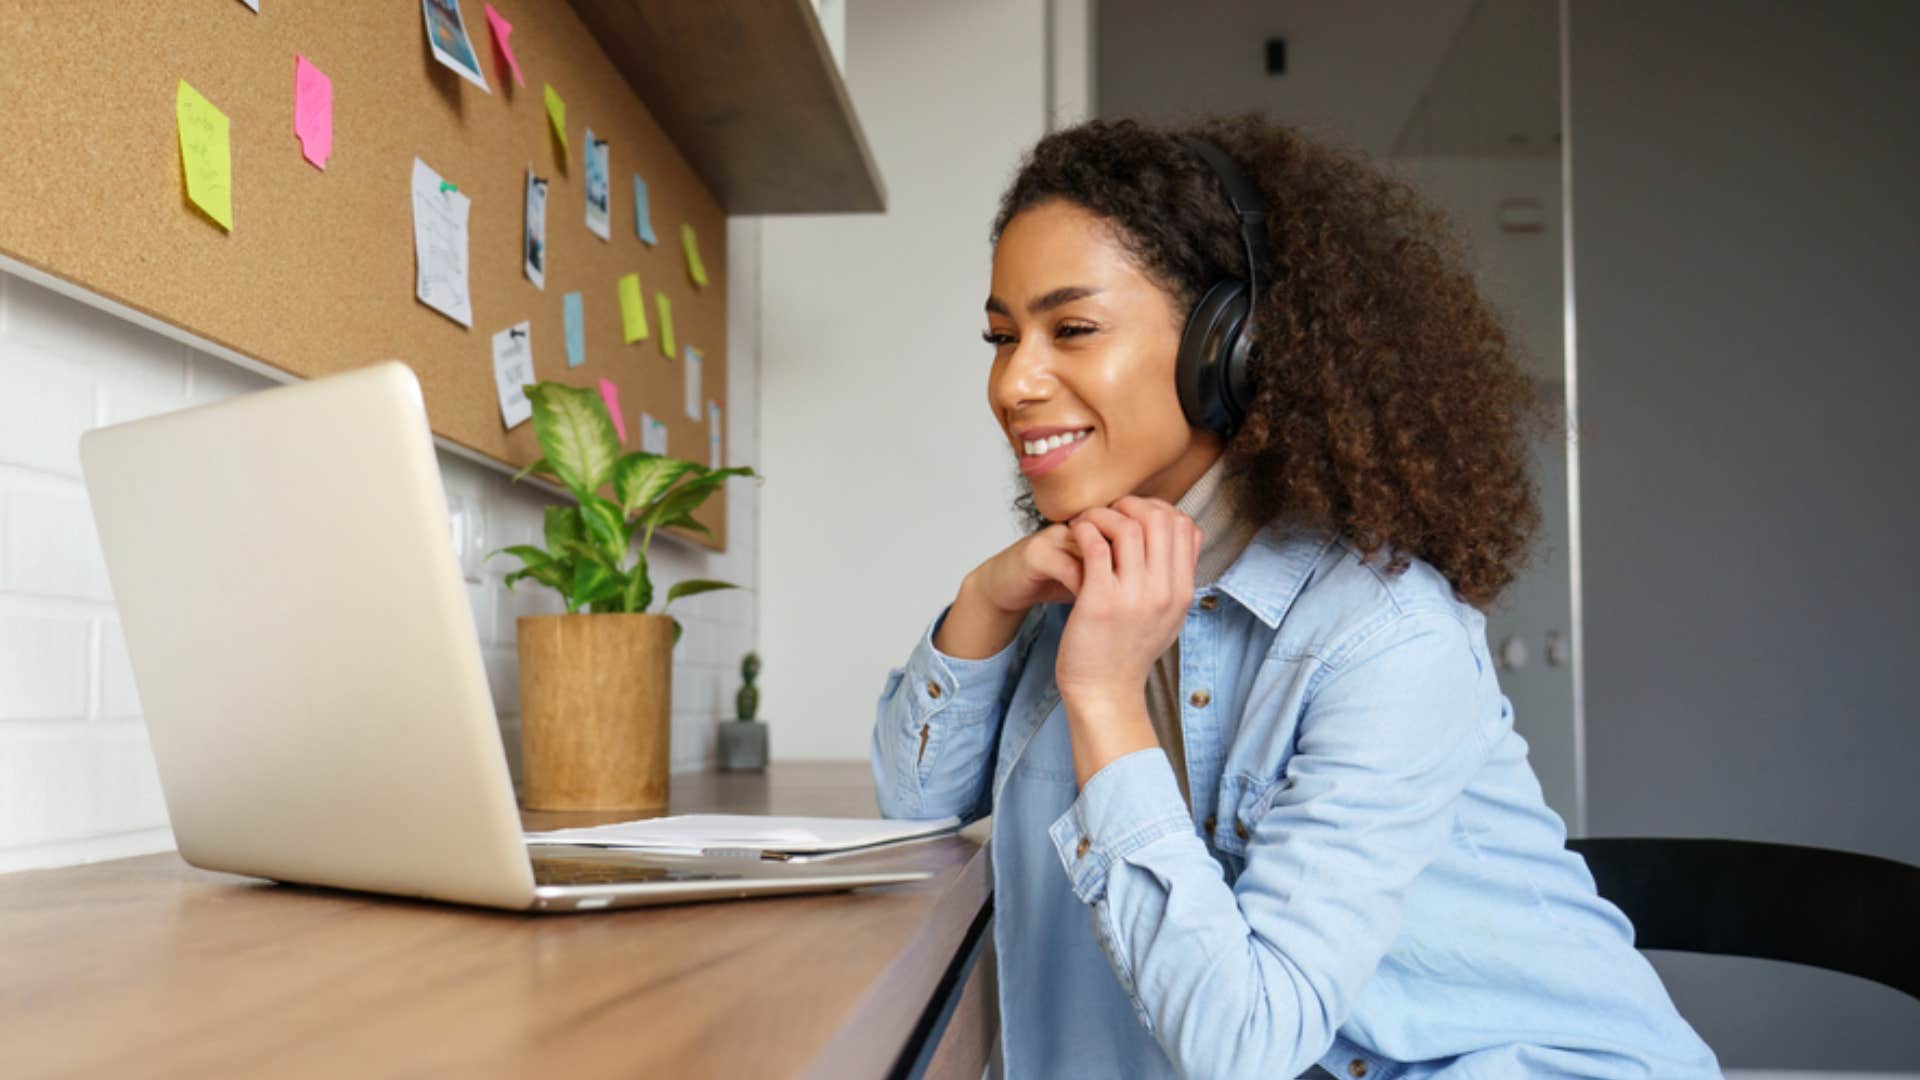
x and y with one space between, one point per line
1258 802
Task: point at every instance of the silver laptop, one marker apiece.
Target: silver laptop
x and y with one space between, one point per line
307 662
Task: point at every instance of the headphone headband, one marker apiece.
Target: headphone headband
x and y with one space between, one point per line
1248 203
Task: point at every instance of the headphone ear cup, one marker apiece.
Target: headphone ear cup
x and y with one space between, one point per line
1211 369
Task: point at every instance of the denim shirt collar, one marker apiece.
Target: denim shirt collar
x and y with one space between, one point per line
1274 567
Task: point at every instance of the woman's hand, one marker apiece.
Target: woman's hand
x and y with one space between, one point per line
1137 560
1043 568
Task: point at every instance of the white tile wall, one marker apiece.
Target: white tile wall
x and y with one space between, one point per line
77 780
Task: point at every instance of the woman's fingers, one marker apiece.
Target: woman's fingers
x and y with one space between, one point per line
1096 557
1124 536
1061 565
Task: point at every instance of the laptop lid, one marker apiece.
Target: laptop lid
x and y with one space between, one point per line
302 643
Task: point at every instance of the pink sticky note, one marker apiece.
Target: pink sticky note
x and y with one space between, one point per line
312 111
502 30
610 394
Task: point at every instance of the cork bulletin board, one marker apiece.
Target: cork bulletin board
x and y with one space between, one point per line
317 274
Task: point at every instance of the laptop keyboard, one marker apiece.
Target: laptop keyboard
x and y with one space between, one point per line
610 872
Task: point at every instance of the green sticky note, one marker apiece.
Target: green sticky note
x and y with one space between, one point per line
665 307
206 154
557 112
692 245
633 309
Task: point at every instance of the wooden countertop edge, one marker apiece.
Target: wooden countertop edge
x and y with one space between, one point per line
895 1001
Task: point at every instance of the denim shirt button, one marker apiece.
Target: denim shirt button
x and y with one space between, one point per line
1211 822
1356 1068
1208 603
1240 830
933 688
1081 851
1200 698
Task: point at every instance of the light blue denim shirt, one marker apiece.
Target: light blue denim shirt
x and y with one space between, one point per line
1368 878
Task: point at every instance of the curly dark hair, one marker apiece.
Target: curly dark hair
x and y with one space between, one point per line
1391 406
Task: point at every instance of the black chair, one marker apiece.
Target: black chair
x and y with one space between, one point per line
1839 910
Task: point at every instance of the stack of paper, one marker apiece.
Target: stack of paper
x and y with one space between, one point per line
747 834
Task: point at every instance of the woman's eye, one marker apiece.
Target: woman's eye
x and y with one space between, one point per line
997 339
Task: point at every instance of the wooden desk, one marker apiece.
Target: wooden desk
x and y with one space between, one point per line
148 967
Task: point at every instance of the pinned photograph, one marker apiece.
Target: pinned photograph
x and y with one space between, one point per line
533 242
447 34
598 218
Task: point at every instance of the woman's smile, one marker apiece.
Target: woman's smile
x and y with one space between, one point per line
1052 452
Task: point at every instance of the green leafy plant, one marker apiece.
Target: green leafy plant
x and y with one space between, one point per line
748 699
588 544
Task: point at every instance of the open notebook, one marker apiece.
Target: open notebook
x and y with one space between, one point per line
793 839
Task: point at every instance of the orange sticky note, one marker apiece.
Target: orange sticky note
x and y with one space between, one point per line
633 310
205 152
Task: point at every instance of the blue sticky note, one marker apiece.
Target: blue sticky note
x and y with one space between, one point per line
642 220
576 330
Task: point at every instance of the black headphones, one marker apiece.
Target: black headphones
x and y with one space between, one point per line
1216 387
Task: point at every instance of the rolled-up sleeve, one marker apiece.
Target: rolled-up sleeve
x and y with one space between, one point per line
932 746
1256 978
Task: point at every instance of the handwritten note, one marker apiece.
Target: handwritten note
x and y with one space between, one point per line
557 116
502 30
693 365
610 394
206 154
576 330
653 435
440 245
665 307
713 434
633 310
692 245
312 111
512 371
642 217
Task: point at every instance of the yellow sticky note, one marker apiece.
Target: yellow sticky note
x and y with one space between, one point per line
206 153
557 112
665 307
633 309
692 244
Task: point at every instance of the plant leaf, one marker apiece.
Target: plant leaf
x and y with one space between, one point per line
527 554
563 523
551 574
693 588
582 551
593 582
606 527
538 465
686 521
688 496
575 433
676 631
640 477
639 591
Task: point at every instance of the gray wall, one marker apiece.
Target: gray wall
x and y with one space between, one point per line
1746 264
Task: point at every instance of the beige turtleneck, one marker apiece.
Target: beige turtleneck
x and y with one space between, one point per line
1224 537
